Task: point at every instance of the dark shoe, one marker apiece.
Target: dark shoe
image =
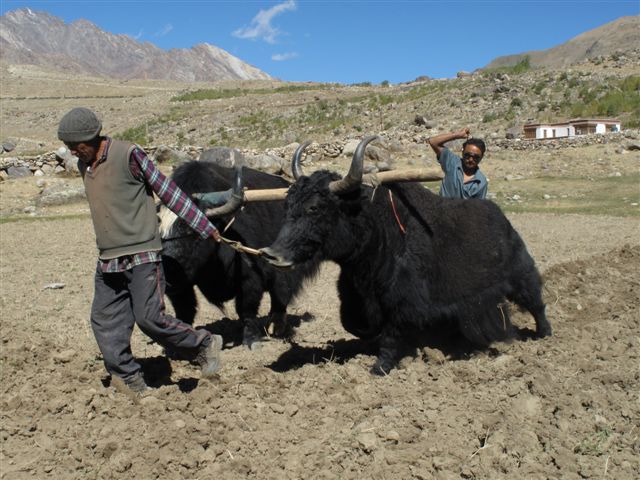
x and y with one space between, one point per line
209 357
136 383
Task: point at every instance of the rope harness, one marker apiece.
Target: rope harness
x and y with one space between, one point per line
239 247
235 244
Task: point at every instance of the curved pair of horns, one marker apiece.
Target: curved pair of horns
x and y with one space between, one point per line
352 180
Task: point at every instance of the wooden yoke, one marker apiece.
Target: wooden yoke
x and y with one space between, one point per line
412 175
370 179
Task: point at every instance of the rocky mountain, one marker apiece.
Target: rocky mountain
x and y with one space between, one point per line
37 38
620 35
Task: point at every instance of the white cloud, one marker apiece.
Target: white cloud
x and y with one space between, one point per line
166 29
138 36
281 57
261 28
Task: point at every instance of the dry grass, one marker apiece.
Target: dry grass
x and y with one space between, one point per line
618 196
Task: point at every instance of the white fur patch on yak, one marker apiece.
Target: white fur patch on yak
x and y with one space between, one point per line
167 219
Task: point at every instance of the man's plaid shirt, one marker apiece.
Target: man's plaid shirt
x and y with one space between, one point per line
169 194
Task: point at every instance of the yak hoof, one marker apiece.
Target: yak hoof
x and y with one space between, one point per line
285 331
279 326
380 369
280 330
544 331
252 343
251 336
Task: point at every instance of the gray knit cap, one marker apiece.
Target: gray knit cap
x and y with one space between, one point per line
79 125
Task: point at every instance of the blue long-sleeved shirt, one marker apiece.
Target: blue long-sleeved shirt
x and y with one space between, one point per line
453 184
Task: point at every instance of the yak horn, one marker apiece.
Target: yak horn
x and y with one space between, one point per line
354 178
296 168
236 200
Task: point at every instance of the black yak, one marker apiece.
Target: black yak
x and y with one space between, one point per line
409 258
220 272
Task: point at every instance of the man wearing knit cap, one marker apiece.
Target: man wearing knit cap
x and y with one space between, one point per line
119 180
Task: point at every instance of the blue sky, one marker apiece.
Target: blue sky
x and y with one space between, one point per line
348 41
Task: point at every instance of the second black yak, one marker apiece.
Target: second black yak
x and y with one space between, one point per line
220 272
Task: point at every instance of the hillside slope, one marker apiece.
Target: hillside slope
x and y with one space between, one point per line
618 36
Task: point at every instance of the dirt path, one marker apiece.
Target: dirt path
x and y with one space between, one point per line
566 407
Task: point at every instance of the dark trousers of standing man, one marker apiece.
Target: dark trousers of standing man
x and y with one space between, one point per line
137 296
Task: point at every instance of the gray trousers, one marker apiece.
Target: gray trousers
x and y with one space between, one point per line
137 296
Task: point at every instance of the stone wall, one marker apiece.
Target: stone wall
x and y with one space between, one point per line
275 160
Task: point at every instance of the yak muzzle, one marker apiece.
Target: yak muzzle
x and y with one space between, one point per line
275 259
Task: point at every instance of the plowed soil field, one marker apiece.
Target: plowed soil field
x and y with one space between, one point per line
565 407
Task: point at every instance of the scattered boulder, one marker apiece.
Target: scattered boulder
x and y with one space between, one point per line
288 150
69 161
164 154
422 121
383 166
223 156
18 171
8 146
393 145
331 151
350 146
378 155
369 168
265 163
60 192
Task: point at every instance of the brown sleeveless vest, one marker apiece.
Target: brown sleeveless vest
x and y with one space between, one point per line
122 207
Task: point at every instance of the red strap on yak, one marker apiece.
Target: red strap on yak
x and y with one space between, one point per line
395 213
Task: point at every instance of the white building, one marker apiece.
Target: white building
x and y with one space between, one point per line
577 126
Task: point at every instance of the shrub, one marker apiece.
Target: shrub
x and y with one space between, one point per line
489 117
522 66
136 135
538 87
617 98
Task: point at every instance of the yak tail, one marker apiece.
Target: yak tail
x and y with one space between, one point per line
487 323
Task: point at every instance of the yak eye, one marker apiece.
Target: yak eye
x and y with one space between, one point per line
311 209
